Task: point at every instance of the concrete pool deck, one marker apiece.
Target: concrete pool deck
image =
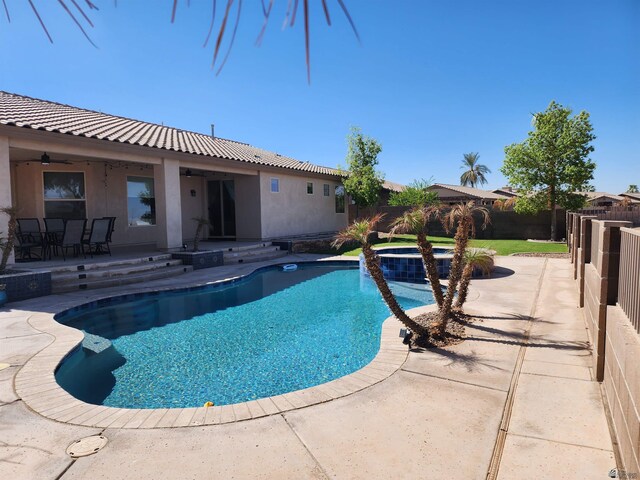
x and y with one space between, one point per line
517 395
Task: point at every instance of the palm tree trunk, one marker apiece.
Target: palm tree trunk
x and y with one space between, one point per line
11 237
196 241
457 262
463 287
373 265
431 267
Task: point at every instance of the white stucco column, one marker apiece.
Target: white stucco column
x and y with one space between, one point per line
168 208
5 187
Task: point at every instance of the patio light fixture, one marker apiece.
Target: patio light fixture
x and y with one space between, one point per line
44 159
187 173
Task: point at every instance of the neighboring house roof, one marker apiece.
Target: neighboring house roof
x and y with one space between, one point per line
506 193
591 196
392 186
469 192
26 112
632 196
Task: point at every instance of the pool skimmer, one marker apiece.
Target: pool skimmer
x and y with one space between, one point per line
86 446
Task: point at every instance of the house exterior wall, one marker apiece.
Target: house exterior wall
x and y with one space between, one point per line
192 206
292 211
106 195
248 212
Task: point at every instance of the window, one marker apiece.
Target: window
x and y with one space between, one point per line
326 189
275 185
339 199
309 188
64 195
141 202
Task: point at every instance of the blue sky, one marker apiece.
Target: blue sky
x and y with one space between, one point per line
431 80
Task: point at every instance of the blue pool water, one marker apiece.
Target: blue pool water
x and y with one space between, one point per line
271 333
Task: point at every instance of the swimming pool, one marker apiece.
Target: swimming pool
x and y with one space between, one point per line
269 333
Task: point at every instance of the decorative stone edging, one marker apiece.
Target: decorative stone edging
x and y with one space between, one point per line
36 385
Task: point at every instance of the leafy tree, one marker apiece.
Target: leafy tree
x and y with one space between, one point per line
362 182
633 189
414 194
475 172
552 163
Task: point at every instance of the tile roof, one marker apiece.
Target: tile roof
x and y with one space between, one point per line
393 186
596 195
470 191
633 196
26 112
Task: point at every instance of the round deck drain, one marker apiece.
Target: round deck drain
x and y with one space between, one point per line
86 446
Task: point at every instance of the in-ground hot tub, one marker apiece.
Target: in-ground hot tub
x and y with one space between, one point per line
404 264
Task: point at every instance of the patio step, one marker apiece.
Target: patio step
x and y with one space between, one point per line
107 262
67 277
252 253
116 277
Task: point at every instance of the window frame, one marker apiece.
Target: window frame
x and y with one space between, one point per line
343 196
153 184
326 190
309 184
277 179
45 199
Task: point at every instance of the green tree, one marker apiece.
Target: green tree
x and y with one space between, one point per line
552 163
633 189
475 172
362 182
417 193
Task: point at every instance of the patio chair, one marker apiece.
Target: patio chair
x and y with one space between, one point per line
99 236
29 236
54 229
72 237
112 227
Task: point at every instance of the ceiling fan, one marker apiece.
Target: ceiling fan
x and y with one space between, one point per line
46 160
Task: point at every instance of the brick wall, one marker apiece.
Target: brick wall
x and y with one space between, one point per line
611 298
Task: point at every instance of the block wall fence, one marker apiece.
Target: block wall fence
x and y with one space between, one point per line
606 258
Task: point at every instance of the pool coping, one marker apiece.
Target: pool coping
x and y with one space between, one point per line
36 385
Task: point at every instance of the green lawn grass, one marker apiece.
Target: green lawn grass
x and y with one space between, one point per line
502 247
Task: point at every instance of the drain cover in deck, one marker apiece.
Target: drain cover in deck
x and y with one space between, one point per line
86 446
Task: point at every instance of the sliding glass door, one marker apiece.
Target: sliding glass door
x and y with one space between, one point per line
222 208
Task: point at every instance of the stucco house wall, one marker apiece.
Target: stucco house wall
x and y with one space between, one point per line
292 211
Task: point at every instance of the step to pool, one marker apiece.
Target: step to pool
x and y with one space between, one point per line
103 262
252 253
103 279
70 277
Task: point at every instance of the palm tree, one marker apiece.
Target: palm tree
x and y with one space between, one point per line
7 245
201 222
461 217
416 221
474 258
475 172
504 204
359 231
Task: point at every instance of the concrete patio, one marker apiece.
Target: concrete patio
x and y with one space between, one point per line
515 400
